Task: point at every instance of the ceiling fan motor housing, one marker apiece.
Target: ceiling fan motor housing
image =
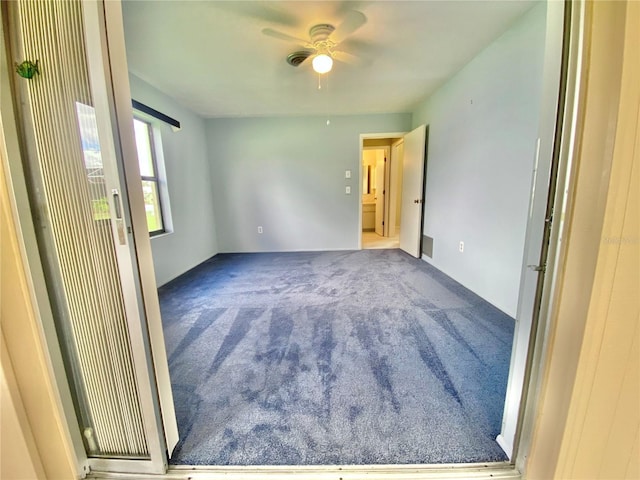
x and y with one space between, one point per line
320 32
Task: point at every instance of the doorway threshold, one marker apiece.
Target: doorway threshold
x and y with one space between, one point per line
471 471
371 240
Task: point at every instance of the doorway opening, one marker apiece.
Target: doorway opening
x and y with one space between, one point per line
392 180
381 193
401 229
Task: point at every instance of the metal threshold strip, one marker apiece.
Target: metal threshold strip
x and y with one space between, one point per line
497 470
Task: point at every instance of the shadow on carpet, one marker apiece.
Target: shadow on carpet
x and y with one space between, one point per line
360 357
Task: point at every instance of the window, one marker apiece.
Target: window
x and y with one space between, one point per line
150 178
93 160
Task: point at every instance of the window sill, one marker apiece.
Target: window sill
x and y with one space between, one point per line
160 235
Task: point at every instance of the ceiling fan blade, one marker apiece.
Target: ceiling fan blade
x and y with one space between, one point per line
353 21
270 32
360 47
349 58
260 11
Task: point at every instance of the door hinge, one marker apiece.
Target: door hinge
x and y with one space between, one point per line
537 268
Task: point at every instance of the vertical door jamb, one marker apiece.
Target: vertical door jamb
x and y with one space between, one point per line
387 189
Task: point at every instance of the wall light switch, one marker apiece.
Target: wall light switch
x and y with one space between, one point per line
347 174
259 229
461 247
347 190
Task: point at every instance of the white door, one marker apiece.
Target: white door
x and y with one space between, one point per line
380 193
412 190
89 227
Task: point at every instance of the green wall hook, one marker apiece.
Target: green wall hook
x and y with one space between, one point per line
27 69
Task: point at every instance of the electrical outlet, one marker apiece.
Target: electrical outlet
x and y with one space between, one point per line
347 174
259 229
461 247
347 190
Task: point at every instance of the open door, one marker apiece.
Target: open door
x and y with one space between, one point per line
412 190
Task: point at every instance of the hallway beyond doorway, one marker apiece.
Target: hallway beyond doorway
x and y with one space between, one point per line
371 240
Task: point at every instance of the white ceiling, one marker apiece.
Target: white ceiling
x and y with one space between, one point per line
213 58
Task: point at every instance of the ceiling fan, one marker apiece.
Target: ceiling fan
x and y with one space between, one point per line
324 43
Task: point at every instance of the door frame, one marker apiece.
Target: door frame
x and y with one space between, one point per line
567 177
361 147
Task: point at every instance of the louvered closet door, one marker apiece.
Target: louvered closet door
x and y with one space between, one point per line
84 241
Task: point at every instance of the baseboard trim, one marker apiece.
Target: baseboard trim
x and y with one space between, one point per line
295 250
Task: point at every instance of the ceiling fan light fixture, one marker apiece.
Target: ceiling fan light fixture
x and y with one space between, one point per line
322 63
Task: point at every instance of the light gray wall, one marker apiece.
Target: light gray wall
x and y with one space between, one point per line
288 176
193 239
482 136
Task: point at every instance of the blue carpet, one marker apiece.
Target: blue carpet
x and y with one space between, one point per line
360 357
